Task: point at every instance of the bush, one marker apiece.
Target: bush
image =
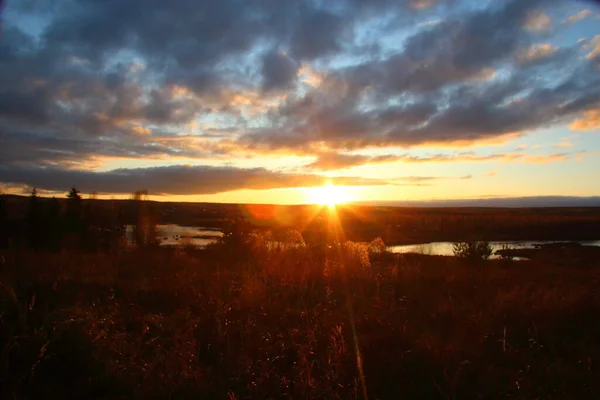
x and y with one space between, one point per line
356 254
506 253
473 251
377 246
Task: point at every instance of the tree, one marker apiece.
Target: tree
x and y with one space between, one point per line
473 251
53 231
74 194
34 221
4 228
74 222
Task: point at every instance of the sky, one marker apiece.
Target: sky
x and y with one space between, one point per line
262 101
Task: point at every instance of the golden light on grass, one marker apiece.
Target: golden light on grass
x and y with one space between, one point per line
328 194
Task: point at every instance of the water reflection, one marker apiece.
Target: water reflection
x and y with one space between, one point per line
447 248
178 235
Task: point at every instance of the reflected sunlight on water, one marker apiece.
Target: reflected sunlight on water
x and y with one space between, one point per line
177 235
447 248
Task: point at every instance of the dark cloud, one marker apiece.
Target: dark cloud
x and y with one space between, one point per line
175 180
446 81
317 34
24 106
475 116
333 161
278 71
463 113
453 50
44 150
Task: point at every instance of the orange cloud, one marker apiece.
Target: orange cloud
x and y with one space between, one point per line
589 121
310 76
546 158
140 130
422 3
330 161
594 45
564 144
253 102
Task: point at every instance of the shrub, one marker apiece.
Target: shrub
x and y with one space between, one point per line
377 246
506 253
356 254
473 251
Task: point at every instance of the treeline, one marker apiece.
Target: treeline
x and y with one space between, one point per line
74 224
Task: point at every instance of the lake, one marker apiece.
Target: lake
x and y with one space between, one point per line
176 235
447 248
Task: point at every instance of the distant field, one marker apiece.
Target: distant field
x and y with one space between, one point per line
396 225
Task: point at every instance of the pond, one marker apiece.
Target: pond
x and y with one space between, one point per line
447 248
177 235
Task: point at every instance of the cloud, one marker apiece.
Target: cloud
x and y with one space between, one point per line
219 80
546 158
538 21
46 150
174 180
317 34
423 3
491 174
564 144
448 92
466 177
336 161
578 16
331 161
594 47
589 121
278 70
536 53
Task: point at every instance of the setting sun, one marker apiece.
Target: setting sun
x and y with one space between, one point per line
328 194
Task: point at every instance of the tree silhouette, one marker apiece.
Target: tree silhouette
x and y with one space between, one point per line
4 228
34 221
74 194
53 223
74 223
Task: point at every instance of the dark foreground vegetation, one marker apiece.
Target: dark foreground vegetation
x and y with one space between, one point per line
296 322
271 312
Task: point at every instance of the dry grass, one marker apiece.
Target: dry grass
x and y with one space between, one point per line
294 324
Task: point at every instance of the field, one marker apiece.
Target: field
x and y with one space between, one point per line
318 317
291 324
